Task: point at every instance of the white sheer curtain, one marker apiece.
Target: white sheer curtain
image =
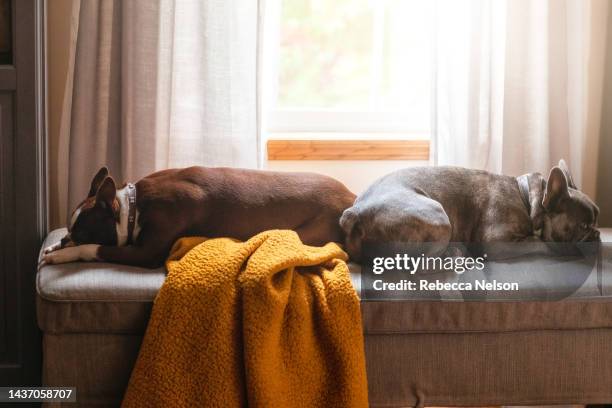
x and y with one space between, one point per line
156 84
517 84
206 82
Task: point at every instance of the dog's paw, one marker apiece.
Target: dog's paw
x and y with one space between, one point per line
58 256
70 254
52 248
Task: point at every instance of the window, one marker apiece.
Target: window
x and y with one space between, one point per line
348 69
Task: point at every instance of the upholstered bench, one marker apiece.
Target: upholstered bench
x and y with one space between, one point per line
434 352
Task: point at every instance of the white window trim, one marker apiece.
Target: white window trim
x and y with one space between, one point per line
329 121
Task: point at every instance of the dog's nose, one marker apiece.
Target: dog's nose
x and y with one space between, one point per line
595 236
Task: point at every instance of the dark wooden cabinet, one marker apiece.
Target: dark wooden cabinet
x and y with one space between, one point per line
6 33
22 186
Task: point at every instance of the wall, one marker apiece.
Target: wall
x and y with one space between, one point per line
356 175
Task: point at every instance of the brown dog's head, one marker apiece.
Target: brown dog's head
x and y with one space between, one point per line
94 221
570 215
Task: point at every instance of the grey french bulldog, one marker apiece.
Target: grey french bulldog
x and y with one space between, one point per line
453 204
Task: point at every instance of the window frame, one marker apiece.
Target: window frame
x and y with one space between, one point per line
284 125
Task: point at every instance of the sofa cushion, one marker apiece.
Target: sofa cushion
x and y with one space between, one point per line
94 297
111 298
98 297
96 281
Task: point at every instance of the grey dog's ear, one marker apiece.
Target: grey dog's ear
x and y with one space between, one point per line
568 175
97 181
349 222
556 188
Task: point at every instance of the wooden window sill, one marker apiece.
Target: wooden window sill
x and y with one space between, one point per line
287 149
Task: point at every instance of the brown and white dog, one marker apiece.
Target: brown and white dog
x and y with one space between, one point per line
137 224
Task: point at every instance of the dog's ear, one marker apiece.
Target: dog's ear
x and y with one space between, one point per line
105 197
568 175
354 233
97 181
556 188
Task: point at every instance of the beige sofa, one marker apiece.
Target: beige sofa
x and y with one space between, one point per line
93 316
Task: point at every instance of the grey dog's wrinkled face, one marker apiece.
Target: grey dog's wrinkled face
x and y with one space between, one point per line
570 215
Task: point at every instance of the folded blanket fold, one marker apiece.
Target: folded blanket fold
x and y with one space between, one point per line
268 322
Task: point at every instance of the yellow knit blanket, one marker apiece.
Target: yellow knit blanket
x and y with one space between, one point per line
269 322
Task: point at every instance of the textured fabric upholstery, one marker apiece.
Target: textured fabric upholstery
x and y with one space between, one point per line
535 367
418 352
109 298
96 281
98 365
